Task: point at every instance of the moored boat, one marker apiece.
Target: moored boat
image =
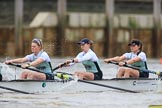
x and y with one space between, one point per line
122 84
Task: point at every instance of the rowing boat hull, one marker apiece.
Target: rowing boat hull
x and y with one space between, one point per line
32 86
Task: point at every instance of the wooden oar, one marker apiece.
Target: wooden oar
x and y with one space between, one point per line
15 90
102 85
136 68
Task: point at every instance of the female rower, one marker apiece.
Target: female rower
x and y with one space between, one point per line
38 59
135 58
90 61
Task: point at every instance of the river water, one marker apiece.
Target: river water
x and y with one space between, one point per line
66 99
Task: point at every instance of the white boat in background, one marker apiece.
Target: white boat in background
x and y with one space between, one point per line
118 84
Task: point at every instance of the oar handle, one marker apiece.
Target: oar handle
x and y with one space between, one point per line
116 63
61 65
18 65
13 64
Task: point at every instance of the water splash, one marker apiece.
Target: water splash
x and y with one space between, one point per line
7 72
70 83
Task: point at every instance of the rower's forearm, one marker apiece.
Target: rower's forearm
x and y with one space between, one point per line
18 60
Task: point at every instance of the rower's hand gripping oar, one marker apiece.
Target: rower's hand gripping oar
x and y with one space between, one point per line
63 64
136 68
59 66
18 65
64 75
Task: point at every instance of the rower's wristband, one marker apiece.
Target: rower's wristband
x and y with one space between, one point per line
72 60
28 64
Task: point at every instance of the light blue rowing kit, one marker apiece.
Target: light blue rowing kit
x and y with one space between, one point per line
91 63
44 66
140 64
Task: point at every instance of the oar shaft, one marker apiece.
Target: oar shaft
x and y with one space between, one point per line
17 65
15 90
61 65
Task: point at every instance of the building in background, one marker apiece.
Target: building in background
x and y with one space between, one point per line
111 24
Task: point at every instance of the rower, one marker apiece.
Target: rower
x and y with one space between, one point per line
38 59
90 61
136 57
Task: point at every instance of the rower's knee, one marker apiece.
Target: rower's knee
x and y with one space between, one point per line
24 75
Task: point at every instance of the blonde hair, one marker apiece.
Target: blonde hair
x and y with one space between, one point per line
38 42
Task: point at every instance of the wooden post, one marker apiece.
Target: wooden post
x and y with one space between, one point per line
108 49
156 31
60 39
18 27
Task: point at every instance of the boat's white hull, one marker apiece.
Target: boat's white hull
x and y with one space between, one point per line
140 85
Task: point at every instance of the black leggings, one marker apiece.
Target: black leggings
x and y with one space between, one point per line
98 75
143 74
49 76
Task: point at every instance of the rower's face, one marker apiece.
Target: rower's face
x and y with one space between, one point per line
35 48
85 47
134 48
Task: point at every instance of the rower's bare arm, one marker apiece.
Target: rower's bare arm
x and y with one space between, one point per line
133 60
36 62
18 60
115 59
